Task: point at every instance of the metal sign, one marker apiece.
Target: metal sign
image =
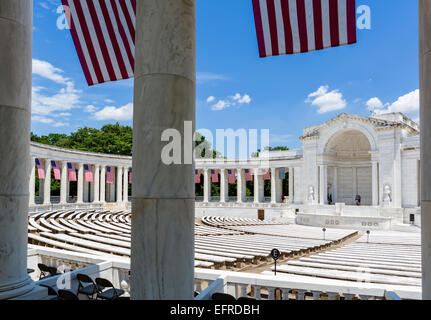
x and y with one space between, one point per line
275 254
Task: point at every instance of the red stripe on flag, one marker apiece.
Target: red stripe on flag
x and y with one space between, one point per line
333 21
318 24
302 25
272 20
128 19
114 41
101 40
259 28
78 47
351 21
287 26
134 6
89 42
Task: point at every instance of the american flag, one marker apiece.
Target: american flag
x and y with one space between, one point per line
88 173
267 175
130 176
40 169
296 26
104 35
56 170
109 175
197 176
248 175
72 171
214 176
231 176
282 173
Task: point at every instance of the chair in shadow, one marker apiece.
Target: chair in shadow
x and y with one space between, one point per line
107 291
87 286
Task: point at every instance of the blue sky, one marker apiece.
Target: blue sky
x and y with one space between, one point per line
235 88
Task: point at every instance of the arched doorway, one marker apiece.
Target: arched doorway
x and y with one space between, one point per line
349 167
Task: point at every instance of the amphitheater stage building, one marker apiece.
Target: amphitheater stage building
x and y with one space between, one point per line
377 158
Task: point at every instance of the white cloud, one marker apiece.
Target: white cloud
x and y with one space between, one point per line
230 101
325 100
242 99
210 99
112 113
48 71
109 101
90 109
408 103
374 103
204 77
221 105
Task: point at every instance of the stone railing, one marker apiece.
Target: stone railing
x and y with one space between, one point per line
269 287
68 206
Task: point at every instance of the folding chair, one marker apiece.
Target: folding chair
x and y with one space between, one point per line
111 294
87 286
67 295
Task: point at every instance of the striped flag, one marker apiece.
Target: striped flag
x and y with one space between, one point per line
267 175
72 171
103 32
130 176
88 173
40 169
296 26
198 176
231 176
56 170
109 175
214 176
248 175
282 173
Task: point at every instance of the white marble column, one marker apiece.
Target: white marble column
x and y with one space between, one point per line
16 30
119 185
125 184
207 185
335 186
96 183
163 195
291 184
63 183
425 125
31 184
80 189
259 191
47 183
224 186
375 183
323 190
275 186
102 184
241 186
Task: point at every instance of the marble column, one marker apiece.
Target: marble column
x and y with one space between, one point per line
335 186
323 190
80 191
96 183
425 121
375 183
241 186
63 183
274 185
125 184
119 185
163 195
31 184
47 183
291 184
259 191
102 184
16 31
355 183
207 185
224 186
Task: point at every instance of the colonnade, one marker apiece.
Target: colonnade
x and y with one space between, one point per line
258 180
99 190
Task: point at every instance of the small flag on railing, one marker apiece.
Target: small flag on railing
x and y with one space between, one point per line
40 169
248 175
130 176
72 171
214 176
56 170
267 175
88 173
231 176
109 175
197 176
282 173
296 26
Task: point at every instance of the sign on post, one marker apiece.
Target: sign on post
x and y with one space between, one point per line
275 254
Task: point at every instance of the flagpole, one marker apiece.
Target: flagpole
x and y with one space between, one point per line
425 129
162 257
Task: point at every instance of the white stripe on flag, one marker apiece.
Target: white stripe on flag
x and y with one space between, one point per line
326 25
265 26
125 26
77 25
280 27
293 13
309 15
342 21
